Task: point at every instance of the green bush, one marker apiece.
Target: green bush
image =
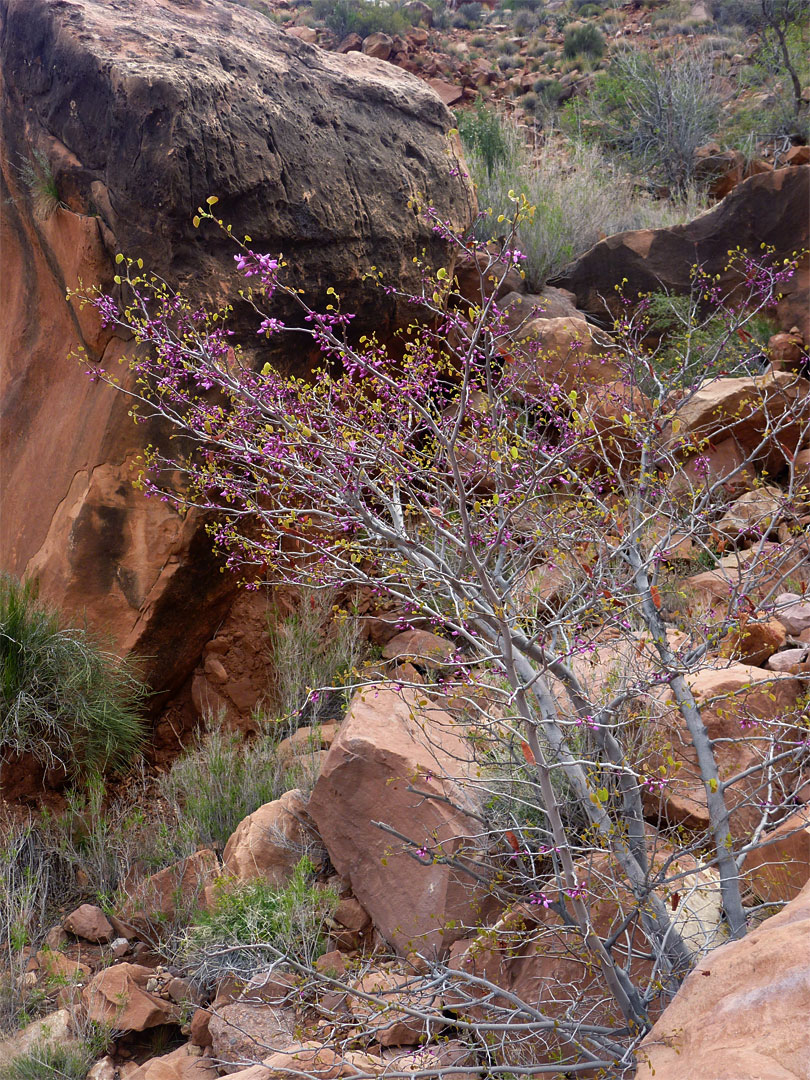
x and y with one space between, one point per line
221 778
314 650
252 923
467 17
484 136
583 41
361 17
62 699
693 342
525 22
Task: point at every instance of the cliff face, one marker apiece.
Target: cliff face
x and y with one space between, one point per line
130 113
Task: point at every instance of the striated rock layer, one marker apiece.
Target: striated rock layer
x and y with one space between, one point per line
130 113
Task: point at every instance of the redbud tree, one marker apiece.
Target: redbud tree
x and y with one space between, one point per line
544 509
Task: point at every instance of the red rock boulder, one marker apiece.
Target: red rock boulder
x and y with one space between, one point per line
742 1013
393 751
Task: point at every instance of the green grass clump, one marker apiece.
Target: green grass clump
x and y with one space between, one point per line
221 778
578 194
63 700
70 1060
252 923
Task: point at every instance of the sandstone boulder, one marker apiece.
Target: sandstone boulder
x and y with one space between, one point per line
184 1063
532 954
55 967
476 278
249 1031
748 409
384 1022
719 461
794 661
270 842
90 923
787 351
304 33
736 704
420 647
757 572
568 352
447 1053
754 642
305 742
378 45
613 415
549 303
312 1059
392 746
148 108
753 515
779 868
719 170
770 208
117 996
52 1029
793 612
742 1014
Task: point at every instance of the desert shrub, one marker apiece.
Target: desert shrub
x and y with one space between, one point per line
251 924
655 115
529 102
583 41
537 48
314 651
736 13
63 699
479 41
361 17
693 342
524 22
34 882
221 778
57 1061
578 195
548 89
468 16
485 136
